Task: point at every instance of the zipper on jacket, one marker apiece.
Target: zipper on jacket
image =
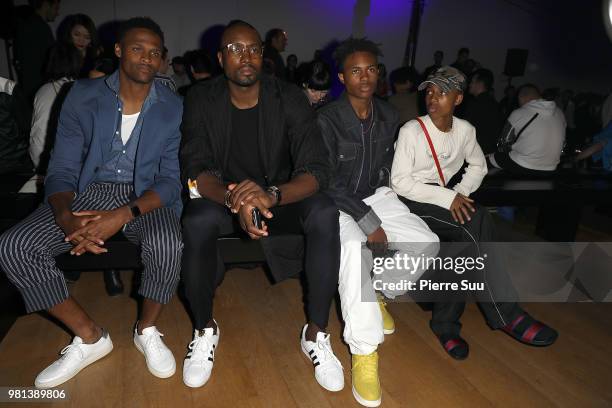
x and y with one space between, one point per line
370 169
362 159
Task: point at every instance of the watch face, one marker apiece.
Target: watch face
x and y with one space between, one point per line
135 211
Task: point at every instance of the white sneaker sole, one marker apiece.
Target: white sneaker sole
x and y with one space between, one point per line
92 359
198 385
310 360
364 402
158 374
387 331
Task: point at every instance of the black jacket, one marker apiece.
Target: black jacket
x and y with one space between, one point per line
342 133
484 113
289 138
289 142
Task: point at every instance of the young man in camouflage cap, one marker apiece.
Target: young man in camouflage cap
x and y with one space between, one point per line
429 173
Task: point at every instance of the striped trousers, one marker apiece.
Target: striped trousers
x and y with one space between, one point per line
28 249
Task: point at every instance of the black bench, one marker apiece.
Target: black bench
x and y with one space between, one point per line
560 198
235 249
122 254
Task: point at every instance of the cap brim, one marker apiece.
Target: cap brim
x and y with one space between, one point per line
440 84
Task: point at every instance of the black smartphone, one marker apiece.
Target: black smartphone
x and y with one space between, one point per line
256 215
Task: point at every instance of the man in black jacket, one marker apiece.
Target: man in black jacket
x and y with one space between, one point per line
251 142
482 110
359 131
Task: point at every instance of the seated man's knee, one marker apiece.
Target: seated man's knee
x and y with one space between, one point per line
201 216
322 213
5 249
11 247
172 248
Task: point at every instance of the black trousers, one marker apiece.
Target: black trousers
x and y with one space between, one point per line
480 232
505 162
316 217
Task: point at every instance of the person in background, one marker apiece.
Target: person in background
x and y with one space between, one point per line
383 90
80 31
276 42
405 97
482 110
462 59
199 68
33 39
291 72
508 102
438 57
533 136
179 69
162 75
102 66
316 83
63 67
600 148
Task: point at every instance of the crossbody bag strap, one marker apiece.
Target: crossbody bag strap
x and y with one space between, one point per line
433 151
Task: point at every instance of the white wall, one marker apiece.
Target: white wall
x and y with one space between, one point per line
310 24
487 27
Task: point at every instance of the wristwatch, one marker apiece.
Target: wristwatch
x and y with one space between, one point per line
275 191
226 200
134 209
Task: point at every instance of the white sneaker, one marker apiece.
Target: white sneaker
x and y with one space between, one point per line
159 358
75 357
198 364
328 370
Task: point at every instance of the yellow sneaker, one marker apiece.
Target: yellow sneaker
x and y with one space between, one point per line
366 387
388 322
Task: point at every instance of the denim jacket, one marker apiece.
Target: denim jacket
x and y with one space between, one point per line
345 141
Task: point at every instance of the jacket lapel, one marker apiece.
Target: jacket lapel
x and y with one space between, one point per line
104 128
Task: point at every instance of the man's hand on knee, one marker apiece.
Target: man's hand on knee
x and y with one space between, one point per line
377 242
461 207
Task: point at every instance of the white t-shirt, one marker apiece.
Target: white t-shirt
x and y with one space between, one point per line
414 167
128 122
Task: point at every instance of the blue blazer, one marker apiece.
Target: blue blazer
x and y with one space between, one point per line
86 126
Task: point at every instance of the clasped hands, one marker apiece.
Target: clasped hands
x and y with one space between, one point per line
244 197
88 230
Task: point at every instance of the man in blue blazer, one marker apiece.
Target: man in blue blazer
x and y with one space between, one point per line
114 167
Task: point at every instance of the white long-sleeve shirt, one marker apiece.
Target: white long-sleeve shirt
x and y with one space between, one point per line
43 102
414 166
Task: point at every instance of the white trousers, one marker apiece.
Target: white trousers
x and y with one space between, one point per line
407 234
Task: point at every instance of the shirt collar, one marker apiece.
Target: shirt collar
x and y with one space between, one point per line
112 81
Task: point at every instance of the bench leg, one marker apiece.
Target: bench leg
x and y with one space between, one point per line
72 276
112 282
558 223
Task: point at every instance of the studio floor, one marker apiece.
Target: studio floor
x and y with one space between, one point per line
259 362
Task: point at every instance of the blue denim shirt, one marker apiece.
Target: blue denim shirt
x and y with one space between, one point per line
119 159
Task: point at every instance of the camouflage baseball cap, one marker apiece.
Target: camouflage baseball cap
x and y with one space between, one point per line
446 78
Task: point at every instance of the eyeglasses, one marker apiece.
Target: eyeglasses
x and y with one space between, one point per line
238 49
